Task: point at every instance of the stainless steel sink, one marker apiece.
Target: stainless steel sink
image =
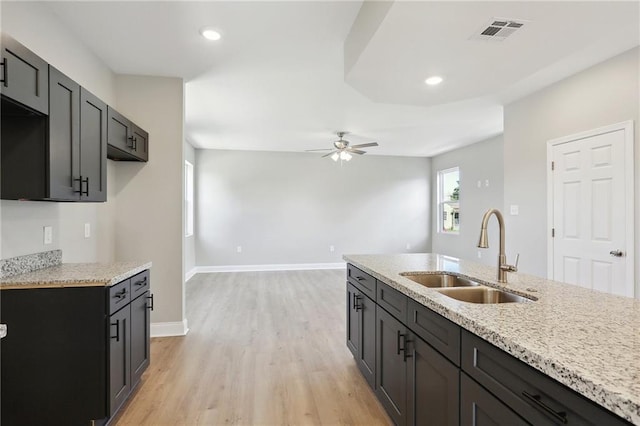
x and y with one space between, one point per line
438 280
482 294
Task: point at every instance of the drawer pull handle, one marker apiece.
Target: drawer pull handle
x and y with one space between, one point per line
82 181
141 282
4 79
535 401
121 296
150 306
356 299
117 336
360 278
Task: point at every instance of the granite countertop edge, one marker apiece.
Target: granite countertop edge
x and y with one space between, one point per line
623 404
76 275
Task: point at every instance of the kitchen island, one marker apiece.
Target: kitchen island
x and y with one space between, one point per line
585 340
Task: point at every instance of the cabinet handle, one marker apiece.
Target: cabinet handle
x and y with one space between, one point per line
117 336
356 298
403 348
140 282
133 143
535 400
359 278
150 306
4 80
82 181
121 296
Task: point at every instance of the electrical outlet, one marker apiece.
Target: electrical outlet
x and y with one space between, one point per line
479 254
514 210
408 246
239 249
48 234
486 182
87 230
332 248
479 184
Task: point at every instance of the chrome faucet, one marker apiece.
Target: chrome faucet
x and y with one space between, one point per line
503 268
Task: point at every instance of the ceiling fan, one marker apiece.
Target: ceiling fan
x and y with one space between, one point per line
342 150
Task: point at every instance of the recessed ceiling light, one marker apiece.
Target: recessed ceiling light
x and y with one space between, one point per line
433 81
210 34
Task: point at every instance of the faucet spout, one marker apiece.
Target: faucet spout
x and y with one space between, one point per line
503 268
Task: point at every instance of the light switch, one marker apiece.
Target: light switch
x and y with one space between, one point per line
87 230
239 249
48 234
486 182
332 248
513 209
479 184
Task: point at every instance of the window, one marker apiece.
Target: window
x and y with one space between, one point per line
188 198
449 200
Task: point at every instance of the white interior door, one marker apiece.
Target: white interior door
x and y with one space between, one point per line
592 209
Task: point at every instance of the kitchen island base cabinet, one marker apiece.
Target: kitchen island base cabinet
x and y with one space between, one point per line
361 332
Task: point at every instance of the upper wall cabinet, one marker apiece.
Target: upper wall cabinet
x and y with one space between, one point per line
23 76
127 141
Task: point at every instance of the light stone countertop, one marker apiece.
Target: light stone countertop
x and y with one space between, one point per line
75 275
584 339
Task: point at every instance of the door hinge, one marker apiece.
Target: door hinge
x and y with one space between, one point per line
553 232
553 165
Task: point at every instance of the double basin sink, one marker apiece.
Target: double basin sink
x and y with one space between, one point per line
463 289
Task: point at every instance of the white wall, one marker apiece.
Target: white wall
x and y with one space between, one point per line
148 216
34 25
190 242
288 208
482 161
604 94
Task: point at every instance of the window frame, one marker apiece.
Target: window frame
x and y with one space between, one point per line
188 199
441 201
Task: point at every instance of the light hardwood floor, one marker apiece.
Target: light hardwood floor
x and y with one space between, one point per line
265 348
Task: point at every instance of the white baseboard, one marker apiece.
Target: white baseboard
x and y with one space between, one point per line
190 274
277 267
168 329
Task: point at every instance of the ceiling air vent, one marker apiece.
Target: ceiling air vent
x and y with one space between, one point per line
498 29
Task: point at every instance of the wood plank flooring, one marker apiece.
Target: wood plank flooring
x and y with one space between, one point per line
265 348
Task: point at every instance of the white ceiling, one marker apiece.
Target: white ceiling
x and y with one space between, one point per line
277 79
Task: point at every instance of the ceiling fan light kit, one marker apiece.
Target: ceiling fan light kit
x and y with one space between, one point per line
342 150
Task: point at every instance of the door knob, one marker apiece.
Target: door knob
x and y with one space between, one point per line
616 253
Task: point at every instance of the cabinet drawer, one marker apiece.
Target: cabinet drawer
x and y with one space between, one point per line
363 281
436 330
119 296
539 399
478 407
139 284
392 300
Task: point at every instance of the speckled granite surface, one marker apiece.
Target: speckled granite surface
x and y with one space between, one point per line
30 262
75 275
587 340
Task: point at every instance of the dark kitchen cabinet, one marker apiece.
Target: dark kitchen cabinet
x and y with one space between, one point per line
478 407
59 158
74 353
93 148
126 141
391 365
119 358
361 332
23 76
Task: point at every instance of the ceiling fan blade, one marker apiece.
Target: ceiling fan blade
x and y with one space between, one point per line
323 149
326 155
364 145
355 151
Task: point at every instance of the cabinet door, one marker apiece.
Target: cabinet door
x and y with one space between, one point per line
480 408
140 142
23 76
353 321
367 355
140 333
433 388
119 132
64 137
93 147
120 358
391 366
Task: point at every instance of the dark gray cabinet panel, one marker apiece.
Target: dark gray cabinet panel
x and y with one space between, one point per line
479 408
93 148
64 137
119 359
436 330
353 321
140 336
363 281
392 300
391 366
125 140
433 388
361 332
533 395
23 76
